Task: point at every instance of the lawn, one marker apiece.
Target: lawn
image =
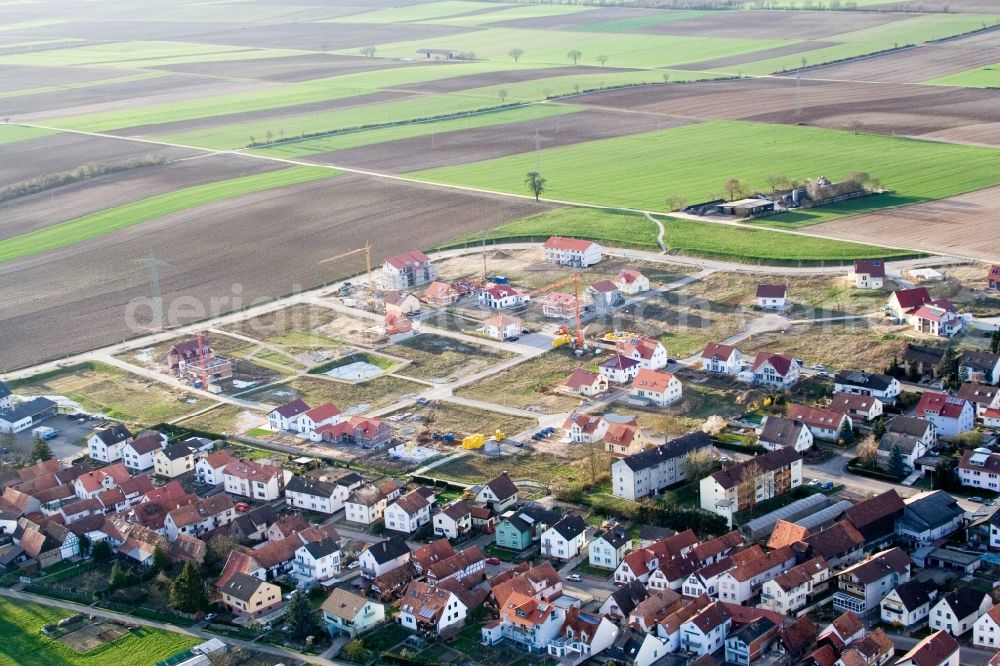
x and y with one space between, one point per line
917 30
551 47
114 219
981 77
12 133
461 419
437 358
24 645
396 132
357 398
686 237
529 385
103 389
693 161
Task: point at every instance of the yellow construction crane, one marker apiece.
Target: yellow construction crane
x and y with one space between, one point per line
367 249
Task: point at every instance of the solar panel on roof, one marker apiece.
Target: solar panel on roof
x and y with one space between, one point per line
426 613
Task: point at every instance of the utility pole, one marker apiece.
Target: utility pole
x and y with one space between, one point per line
155 293
798 95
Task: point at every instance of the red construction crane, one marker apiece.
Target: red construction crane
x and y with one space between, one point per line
575 280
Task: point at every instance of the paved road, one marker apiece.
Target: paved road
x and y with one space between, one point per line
192 631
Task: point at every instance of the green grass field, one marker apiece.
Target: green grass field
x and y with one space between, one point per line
24 645
640 170
643 51
982 77
114 219
367 137
12 133
688 237
917 30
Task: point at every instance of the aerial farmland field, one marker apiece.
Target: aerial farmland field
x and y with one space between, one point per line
198 109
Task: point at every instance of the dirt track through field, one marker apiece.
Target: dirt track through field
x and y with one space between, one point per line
967 225
886 109
483 143
268 243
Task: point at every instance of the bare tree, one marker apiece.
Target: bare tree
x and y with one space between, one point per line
516 53
697 464
574 55
603 59
666 77
367 51
746 486
675 202
734 188
776 181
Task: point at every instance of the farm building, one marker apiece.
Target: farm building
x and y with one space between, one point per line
439 54
25 414
746 208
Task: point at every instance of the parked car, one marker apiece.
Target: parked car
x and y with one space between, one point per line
827 486
815 482
242 507
977 500
493 560
574 577
819 366
354 565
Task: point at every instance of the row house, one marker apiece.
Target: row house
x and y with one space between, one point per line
669 628
366 505
310 420
574 252
862 587
641 564
138 454
285 417
742 583
750 642
721 359
582 636
706 632
467 567
210 468
200 518
91 484
368 432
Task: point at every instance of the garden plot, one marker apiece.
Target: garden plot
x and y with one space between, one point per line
103 389
92 636
439 359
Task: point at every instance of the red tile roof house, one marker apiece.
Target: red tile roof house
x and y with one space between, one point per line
938 318
586 383
631 281
993 277
309 421
401 303
822 423
868 273
657 388
585 428
574 252
619 369
605 295
406 270
776 370
441 293
502 327
650 352
184 360
904 302
952 416
771 296
501 296
722 359
559 305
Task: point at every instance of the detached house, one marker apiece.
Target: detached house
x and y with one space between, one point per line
585 428
586 383
604 295
649 352
609 548
138 454
981 396
656 388
320 496
185 358
938 649
706 632
429 609
868 273
979 366
453 520
210 468
856 382
366 505
986 630
904 302
749 643
108 442
771 296
909 603
498 493
351 614
401 303
250 597
573 252
958 611
792 590
173 460
312 419
384 556
285 417
721 359
406 270
317 561
253 480
565 539
980 468
863 586
441 294
501 296
778 433
910 448
937 318
856 407
775 370
630 281
410 512
822 423
993 277
518 530
502 327
560 306
951 416
619 369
